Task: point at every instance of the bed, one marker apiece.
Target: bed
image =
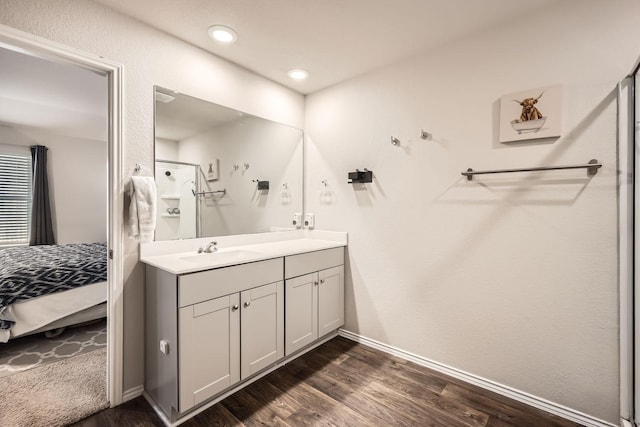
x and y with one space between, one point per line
51 286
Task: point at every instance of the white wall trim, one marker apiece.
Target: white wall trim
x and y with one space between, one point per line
132 393
493 386
626 241
626 423
29 44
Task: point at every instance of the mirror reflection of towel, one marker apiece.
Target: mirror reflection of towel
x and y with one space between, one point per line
142 211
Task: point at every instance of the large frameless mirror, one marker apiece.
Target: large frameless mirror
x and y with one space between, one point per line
220 171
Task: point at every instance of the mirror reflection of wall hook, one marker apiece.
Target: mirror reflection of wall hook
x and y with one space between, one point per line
262 185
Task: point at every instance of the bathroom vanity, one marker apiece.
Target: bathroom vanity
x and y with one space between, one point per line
216 321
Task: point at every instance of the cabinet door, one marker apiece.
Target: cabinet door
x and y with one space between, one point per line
301 308
330 300
262 332
209 356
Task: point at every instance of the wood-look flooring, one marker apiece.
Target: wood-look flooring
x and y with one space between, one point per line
342 383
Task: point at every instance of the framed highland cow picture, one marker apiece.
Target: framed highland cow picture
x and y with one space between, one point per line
531 114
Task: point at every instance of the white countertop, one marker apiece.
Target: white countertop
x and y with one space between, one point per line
181 257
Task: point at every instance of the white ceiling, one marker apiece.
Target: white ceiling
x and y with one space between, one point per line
186 116
55 97
333 39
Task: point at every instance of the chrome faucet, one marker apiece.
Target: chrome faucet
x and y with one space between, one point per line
211 247
208 248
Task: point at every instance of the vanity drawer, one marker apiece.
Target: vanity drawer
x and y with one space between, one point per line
298 265
205 285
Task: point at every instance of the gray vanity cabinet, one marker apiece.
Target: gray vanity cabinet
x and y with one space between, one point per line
314 290
209 349
212 334
301 311
262 331
208 331
330 300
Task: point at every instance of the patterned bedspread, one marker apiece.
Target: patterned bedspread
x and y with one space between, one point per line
32 271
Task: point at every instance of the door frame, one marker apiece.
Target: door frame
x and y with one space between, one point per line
628 239
634 294
32 45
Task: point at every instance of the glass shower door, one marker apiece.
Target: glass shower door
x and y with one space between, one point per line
177 216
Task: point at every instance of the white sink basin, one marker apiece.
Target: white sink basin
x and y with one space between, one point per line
220 256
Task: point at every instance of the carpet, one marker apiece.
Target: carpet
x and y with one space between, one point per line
32 351
55 394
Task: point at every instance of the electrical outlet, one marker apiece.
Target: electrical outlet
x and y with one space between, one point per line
309 220
297 220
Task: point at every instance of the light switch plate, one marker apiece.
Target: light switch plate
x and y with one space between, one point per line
309 220
297 220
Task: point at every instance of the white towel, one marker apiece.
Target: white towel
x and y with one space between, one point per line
142 212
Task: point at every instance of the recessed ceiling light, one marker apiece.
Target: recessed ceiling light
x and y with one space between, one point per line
222 34
298 74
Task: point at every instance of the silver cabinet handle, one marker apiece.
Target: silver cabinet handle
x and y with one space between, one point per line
315 283
235 307
247 304
321 280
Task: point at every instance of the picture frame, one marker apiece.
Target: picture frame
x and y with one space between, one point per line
531 114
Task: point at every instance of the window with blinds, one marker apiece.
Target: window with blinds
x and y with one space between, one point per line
15 195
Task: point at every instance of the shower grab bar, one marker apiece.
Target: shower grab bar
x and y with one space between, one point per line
204 193
174 162
592 168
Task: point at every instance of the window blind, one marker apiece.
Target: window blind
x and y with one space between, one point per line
15 196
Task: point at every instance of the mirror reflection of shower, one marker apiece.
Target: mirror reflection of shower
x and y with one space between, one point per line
177 216
232 148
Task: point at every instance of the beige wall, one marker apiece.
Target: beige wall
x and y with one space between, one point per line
77 182
272 151
150 57
510 277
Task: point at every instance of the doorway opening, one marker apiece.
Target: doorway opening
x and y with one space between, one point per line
75 225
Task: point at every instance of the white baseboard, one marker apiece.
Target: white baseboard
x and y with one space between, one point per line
626 423
132 393
157 409
520 396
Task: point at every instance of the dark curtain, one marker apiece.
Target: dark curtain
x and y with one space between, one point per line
41 223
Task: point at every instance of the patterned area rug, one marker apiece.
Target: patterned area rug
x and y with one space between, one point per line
32 351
